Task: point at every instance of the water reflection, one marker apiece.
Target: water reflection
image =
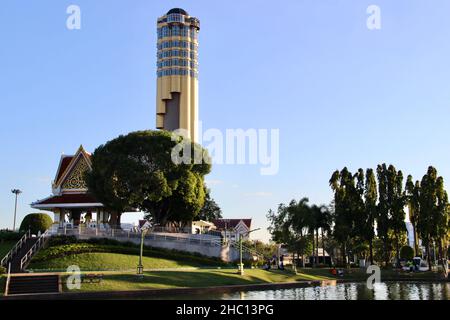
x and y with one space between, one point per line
341 291
352 291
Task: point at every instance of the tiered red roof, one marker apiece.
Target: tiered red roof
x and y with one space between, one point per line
65 161
69 198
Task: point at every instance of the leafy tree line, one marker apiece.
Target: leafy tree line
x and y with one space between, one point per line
298 225
367 216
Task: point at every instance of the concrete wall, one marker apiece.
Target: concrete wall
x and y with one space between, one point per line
225 253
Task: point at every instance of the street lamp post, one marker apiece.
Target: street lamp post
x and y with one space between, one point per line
144 229
241 265
16 192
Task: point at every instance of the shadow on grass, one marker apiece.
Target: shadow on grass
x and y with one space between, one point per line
183 279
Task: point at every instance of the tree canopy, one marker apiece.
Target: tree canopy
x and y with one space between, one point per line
210 209
137 171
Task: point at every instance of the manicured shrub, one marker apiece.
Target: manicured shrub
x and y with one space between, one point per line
406 253
36 222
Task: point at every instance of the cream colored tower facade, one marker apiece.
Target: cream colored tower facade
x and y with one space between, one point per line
177 75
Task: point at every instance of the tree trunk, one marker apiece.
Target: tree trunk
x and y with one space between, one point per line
371 250
429 255
416 245
317 246
441 256
386 255
323 248
397 244
344 255
313 264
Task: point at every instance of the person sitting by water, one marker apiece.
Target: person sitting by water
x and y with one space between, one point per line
333 271
281 265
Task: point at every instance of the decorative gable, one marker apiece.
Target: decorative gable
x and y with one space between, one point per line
70 175
241 227
75 179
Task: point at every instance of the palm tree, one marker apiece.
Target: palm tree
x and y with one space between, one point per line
325 221
320 221
302 222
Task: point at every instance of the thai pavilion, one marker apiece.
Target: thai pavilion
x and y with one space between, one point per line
71 203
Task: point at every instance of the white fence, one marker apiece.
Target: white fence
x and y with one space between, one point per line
35 248
15 249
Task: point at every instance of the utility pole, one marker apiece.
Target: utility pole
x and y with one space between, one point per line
16 192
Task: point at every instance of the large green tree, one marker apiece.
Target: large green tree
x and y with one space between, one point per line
347 209
432 222
210 209
383 216
291 225
397 200
141 170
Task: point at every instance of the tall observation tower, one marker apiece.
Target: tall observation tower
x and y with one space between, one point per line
177 84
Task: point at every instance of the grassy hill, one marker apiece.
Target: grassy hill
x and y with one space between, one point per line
104 254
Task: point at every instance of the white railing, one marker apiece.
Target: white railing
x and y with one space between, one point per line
15 249
8 279
120 234
251 251
35 248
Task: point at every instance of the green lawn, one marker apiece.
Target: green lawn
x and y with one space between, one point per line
194 278
109 257
101 261
5 247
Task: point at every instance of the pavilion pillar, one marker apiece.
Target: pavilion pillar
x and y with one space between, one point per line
76 215
62 217
88 216
119 216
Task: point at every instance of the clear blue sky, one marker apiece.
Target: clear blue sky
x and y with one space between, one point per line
340 94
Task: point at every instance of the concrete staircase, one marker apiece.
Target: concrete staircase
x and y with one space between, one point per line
33 284
16 260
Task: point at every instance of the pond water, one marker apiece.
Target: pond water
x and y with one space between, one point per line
340 291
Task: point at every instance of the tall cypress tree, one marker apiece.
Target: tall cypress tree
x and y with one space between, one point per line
371 196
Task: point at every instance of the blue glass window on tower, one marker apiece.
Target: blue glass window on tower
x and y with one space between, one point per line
175 17
176 31
165 31
184 31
